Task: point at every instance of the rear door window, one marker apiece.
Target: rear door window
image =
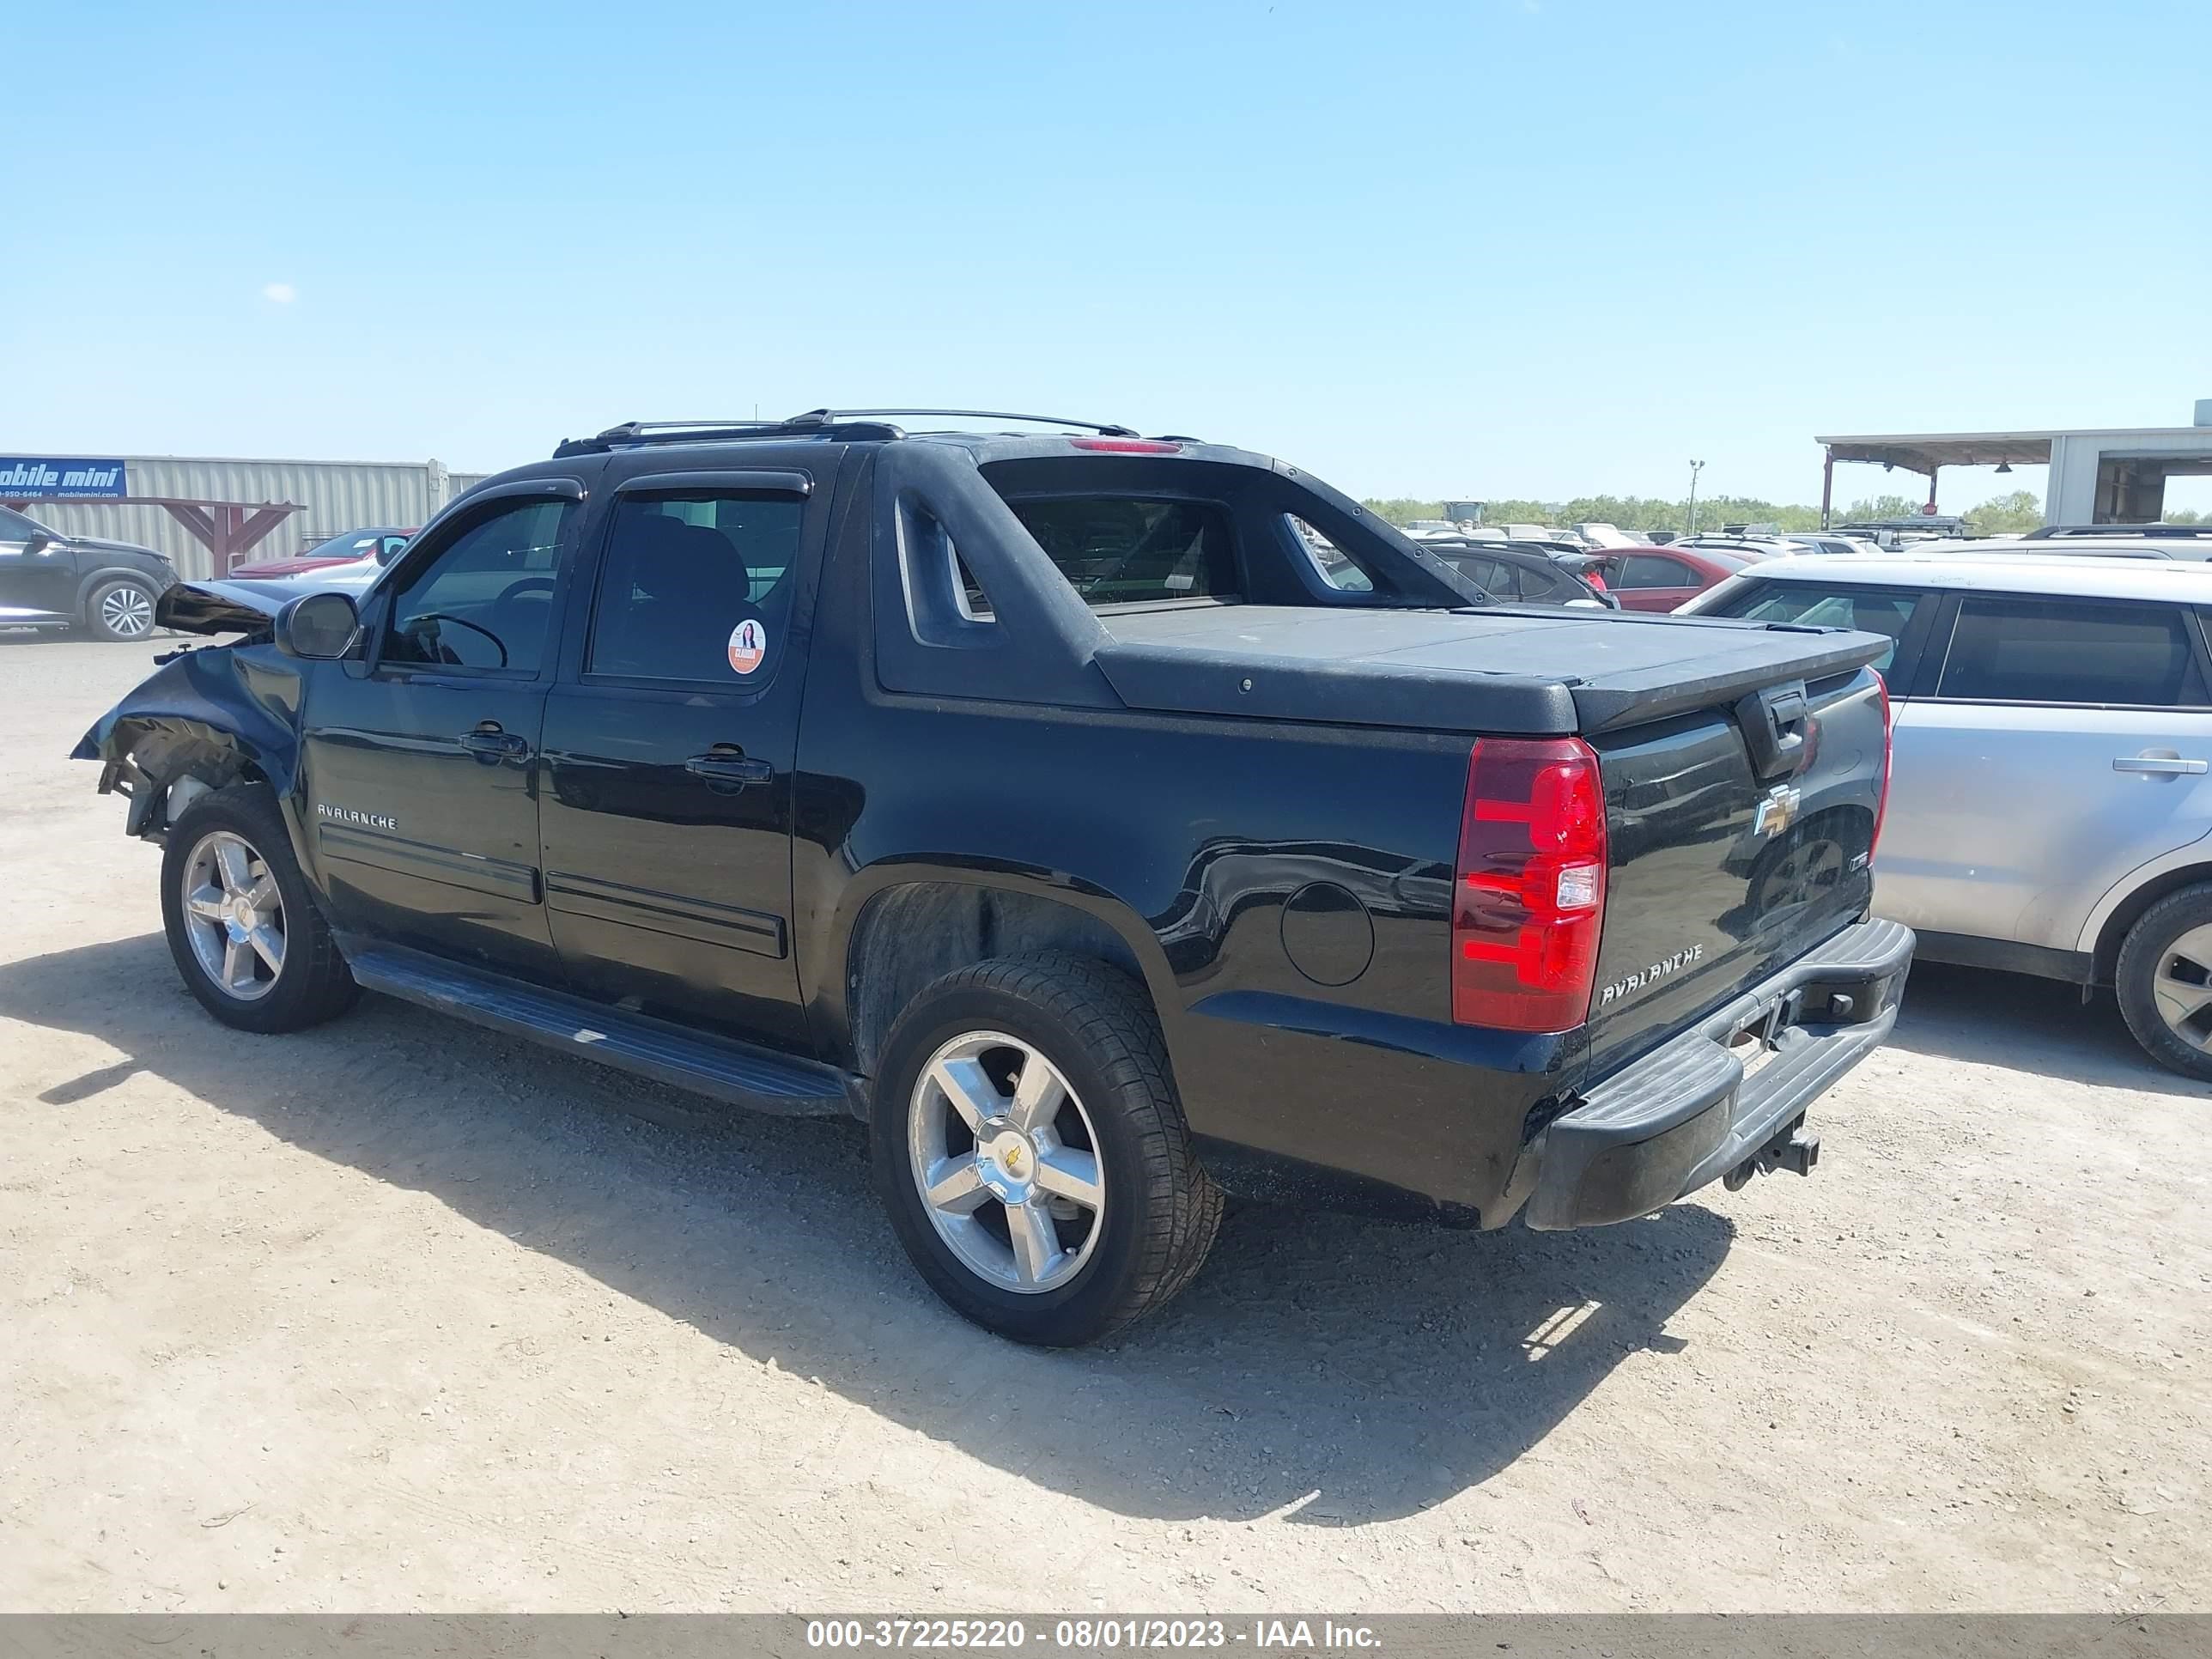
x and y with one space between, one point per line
1552 587
696 587
1651 570
1121 549
2051 651
1493 576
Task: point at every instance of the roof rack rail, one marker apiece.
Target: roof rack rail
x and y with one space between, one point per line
630 433
848 423
1104 429
2156 531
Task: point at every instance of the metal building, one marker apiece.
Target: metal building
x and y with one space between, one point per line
2112 476
209 512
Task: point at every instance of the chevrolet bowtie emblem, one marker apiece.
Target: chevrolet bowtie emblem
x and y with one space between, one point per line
1777 810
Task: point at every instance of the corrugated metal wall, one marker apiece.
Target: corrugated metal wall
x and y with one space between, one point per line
336 495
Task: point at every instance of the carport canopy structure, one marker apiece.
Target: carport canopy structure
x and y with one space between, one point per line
1929 452
228 530
2110 475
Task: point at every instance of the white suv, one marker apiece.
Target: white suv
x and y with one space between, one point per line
2050 802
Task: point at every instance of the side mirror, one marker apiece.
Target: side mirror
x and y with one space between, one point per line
320 626
42 543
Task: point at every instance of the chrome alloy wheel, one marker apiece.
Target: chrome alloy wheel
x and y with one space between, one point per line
234 915
2183 987
127 611
1006 1163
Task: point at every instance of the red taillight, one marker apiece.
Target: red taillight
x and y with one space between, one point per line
1889 750
1529 899
1128 446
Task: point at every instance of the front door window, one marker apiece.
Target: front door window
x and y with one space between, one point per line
485 601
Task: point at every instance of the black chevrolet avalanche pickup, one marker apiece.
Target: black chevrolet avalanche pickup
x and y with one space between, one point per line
1110 822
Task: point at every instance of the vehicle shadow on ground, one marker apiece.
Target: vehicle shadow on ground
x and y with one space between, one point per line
1341 1369
2027 1024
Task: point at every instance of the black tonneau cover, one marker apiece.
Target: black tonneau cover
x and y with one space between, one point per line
1503 669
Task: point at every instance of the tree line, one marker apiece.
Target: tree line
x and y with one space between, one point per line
2002 516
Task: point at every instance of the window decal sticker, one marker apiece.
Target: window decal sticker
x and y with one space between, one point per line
748 646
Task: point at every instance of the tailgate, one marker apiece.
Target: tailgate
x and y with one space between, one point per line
1730 851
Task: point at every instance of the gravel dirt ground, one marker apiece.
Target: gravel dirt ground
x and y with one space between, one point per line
399 1314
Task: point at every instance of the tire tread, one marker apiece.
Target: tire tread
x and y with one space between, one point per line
325 987
2152 932
1111 1018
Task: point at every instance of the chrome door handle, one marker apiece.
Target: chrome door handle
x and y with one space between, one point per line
729 766
2161 765
489 742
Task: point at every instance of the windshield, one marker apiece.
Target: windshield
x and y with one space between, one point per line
353 544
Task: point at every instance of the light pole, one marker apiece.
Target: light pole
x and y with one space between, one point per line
1696 467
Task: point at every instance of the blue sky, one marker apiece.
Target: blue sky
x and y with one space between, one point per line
1535 247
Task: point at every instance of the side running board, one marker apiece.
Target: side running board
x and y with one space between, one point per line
743 1075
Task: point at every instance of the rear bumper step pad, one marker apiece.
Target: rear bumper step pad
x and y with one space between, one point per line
1688 1113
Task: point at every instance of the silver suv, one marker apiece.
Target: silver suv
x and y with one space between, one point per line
2050 802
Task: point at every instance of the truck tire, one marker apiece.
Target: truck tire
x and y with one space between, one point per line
2164 981
119 608
1028 1143
243 927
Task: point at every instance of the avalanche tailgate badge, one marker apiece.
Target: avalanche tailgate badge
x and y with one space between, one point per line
1644 978
748 646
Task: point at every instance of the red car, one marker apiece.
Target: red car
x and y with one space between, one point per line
378 542
1663 578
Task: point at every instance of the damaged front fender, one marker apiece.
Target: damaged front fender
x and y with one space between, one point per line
204 719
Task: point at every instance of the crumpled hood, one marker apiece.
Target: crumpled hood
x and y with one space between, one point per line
247 608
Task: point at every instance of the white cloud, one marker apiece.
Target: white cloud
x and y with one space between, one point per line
282 293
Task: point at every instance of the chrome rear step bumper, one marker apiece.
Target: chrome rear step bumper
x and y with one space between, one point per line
1692 1111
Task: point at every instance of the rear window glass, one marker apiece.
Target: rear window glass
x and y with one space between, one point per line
1814 606
2045 651
1119 549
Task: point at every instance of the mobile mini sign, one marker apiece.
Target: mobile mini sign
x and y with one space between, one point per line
30 477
